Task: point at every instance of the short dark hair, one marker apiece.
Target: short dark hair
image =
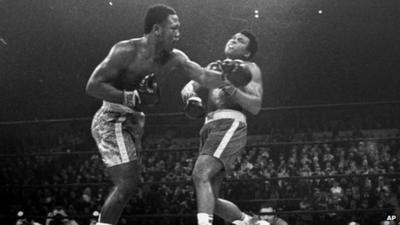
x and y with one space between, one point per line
253 43
156 14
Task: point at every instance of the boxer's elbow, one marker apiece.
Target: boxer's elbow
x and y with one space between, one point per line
255 107
254 110
257 110
91 88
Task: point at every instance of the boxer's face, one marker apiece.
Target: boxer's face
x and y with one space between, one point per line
236 47
169 34
268 218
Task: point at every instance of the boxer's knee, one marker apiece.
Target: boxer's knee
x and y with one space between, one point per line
129 185
123 192
125 178
199 176
205 169
126 172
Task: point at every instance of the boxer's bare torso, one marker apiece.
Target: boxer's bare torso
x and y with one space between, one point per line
136 60
218 99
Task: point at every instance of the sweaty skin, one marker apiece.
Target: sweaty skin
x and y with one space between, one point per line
217 99
248 97
130 61
218 137
113 81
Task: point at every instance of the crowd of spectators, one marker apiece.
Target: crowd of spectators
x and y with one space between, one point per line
41 177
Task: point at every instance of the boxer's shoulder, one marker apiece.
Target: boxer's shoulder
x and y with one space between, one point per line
127 47
253 65
250 64
124 51
253 68
176 58
179 55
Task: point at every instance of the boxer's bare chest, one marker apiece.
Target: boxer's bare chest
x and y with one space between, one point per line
137 69
217 99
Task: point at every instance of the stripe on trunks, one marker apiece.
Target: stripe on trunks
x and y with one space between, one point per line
227 137
120 139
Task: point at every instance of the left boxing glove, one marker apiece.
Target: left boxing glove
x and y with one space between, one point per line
194 108
148 90
236 72
216 66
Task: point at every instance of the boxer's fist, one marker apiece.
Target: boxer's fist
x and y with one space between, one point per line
194 108
236 72
149 91
187 92
216 66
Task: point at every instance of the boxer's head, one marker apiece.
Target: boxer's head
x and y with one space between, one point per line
267 208
163 22
242 45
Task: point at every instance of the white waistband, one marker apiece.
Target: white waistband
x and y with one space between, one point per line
225 114
115 107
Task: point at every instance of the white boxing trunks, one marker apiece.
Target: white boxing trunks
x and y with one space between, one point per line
118 131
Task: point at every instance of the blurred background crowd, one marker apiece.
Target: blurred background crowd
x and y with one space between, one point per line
310 52
57 167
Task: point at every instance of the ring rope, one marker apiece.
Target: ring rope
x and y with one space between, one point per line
162 150
275 108
396 175
343 211
269 200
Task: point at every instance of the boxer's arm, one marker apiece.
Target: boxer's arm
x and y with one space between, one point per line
250 96
100 82
205 77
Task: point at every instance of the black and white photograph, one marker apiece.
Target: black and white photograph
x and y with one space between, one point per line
200 112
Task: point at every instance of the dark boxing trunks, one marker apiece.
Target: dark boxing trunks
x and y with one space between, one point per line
224 136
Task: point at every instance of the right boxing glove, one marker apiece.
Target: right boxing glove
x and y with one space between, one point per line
236 72
194 108
149 91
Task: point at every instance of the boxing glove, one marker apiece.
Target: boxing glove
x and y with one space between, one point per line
149 92
194 108
236 72
216 66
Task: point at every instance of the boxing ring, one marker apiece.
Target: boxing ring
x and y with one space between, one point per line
186 218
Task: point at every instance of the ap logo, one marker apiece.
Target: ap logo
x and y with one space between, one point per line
391 218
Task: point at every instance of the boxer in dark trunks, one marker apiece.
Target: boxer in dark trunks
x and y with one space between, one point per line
223 135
